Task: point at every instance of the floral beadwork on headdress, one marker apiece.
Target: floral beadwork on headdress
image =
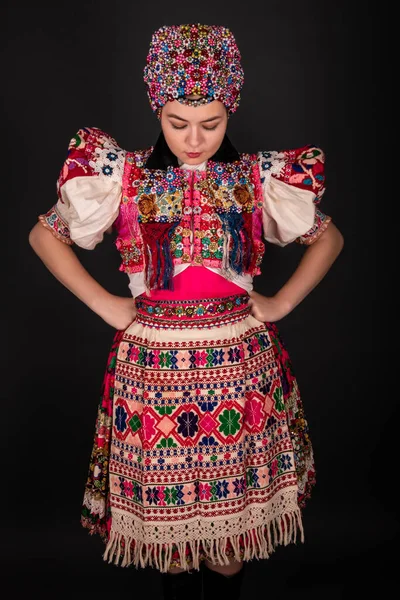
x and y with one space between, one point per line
195 59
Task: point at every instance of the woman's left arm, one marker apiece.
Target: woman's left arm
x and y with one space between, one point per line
315 263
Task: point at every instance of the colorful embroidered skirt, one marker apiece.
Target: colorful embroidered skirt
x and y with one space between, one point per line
201 448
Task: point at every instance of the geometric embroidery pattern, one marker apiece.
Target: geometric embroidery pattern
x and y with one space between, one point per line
204 445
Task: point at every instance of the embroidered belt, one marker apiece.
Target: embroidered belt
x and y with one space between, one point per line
192 313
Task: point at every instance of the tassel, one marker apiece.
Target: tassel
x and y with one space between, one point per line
111 546
159 266
237 244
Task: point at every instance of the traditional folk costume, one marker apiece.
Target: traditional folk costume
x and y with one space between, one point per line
201 447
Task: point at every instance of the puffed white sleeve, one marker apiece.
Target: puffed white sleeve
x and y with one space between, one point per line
89 190
292 187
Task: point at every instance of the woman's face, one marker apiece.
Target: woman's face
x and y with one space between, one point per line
194 133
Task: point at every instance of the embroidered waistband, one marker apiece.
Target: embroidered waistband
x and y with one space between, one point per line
204 312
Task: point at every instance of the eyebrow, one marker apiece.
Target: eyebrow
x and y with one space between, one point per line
205 120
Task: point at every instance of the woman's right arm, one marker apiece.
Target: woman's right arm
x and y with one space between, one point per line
62 262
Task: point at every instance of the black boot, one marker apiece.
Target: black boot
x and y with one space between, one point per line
217 586
182 586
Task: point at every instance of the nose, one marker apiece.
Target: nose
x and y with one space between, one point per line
194 139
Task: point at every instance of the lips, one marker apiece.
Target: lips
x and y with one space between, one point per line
193 154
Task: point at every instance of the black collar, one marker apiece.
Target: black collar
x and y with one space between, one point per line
162 157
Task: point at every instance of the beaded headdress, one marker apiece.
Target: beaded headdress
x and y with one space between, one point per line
194 59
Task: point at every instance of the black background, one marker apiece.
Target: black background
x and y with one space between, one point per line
309 78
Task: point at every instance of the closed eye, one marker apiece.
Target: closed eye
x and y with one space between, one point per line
184 127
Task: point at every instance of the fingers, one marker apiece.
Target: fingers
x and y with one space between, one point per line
254 294
254 313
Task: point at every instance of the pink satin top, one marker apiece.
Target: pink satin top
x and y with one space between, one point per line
196 283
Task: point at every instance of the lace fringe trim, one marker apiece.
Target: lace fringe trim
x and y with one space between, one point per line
259 543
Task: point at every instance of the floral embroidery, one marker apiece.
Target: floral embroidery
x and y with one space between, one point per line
108 160
53 221
147 207
193 59
131 254
302 168
321 222
170 217
202 218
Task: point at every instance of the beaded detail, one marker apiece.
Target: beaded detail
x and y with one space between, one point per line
321 222
53 221
193 59
108 160
184 309
197 217
166 216
92 152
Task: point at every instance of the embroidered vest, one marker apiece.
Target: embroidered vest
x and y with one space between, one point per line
172 216
165 216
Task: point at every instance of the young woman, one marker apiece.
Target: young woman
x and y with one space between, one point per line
201 453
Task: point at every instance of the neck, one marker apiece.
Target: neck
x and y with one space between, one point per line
197 166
